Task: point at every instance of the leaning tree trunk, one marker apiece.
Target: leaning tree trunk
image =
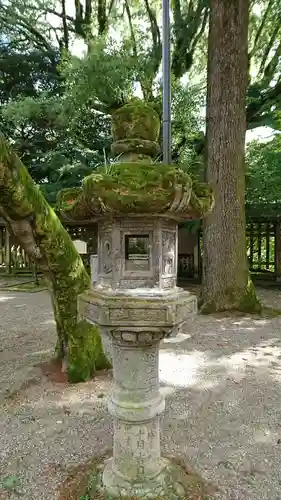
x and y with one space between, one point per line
226 283
39 231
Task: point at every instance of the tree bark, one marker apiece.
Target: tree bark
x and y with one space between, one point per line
226 283
39 231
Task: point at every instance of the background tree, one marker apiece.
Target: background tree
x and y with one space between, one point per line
263 175
59 151
225 274
264 87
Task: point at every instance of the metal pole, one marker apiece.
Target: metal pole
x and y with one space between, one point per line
166 65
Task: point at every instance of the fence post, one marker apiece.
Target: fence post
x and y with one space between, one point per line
8 252
278 251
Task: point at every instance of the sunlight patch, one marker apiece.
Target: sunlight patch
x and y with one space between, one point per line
181 369
261 355
180 337
48 322
264 436
4 298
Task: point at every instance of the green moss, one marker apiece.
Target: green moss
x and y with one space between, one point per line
55 255
142 149
202 197
85 353
135 188
245 301
132 187
249 302
270 312
67 197
136 120
136 185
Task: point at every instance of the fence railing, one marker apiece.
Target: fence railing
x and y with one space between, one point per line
263 248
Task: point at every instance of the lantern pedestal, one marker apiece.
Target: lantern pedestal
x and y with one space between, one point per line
135 322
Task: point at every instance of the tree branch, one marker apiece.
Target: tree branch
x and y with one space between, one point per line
177 15
58 14
268 48
65 26
269 71
261 27
265 101
129 15
201 31
102 17
156 53
111 5
78 22
188 29
22 230
88 12
24 27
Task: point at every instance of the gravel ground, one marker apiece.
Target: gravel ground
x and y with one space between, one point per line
221 377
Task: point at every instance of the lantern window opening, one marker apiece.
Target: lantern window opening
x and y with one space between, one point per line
137 252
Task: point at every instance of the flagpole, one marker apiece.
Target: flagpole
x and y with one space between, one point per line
166 65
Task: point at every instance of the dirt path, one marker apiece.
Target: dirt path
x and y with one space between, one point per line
221 377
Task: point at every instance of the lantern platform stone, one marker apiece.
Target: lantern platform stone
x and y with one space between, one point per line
134 297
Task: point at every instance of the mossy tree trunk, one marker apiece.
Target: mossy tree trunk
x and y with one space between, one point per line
39 231
226 283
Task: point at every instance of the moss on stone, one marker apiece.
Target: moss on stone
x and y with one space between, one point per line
135 185
67 197
86 354
136 119
139 147
202 198
137 188
85 482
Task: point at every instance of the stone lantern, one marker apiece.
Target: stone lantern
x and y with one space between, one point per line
134 297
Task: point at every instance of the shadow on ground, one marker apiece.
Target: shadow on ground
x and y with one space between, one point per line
221 378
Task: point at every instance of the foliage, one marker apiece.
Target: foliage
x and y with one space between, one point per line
103 79
264 91
56 106
55 148
187 122
263 175
55 159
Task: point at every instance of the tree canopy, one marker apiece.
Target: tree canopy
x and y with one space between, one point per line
66 65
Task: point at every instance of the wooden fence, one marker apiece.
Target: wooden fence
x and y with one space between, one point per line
263 250
263 240
14 260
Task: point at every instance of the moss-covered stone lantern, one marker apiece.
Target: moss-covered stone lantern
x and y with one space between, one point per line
135 299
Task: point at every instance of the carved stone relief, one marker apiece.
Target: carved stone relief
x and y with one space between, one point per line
168 253
107 257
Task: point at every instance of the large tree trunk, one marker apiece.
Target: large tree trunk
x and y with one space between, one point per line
39 231
226 283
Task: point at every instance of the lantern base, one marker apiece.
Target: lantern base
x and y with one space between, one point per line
173 482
